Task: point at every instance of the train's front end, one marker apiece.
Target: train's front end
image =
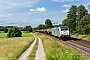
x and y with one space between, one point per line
64 32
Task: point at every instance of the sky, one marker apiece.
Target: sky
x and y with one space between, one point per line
34 12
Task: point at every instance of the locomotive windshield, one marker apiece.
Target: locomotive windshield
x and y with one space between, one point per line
64 28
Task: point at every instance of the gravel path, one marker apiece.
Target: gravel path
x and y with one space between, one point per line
25 55
40 55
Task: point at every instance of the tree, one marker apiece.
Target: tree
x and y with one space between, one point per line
86 29
48 23
65 22
71 18
28 28
41 26
78 20
81 11
84 25
14 32
5 30
1 28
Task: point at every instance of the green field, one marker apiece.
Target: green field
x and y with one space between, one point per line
83 37
14 47
57 51
24 34
3 35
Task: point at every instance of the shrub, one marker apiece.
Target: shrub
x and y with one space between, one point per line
14 32
5 30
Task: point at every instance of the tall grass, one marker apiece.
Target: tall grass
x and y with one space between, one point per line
79 36
57 51
33 52
14 47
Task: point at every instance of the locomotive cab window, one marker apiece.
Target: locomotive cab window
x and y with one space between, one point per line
64 28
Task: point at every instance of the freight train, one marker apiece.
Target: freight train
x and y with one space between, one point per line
61 32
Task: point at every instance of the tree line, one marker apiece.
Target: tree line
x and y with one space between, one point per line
47 24
78 20
14 31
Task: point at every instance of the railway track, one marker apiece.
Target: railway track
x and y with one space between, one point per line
80 46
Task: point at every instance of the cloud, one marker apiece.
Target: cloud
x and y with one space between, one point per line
1 16
66 10
7 4
66 5
32 10
42 9
9 14
63 0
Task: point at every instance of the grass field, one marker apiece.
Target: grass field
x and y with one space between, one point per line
24 34
14 47
57 51
3 35
33 52
83 37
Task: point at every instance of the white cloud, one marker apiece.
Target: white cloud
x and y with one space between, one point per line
42 9
63 0
32 10
37 10
6 4
9 14
1 16
66 10
66 5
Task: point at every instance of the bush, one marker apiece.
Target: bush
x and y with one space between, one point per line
5 30
86 29
84 25
14 32
28 28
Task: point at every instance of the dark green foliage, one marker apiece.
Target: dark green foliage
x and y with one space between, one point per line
71 18
78 20
5 30
22 29
86 29
14 32
28 28
65 22
84 25
48 23
81 12
41 26
1 28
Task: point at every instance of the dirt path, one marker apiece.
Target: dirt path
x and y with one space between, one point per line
40 55
25 55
